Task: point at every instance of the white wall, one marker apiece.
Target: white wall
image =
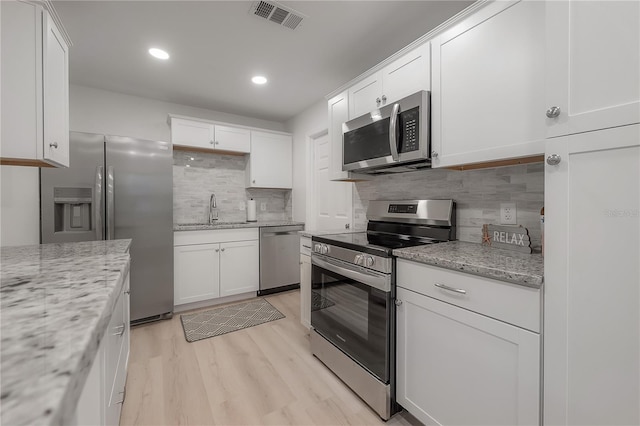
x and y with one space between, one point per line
99 111
309 122
19 206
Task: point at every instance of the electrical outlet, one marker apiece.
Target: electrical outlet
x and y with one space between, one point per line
508 214
241 205
263 207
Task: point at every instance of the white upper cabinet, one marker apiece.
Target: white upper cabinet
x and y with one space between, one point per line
593 65
404 76
270 162
35 87
197 134
232 139
488 86
338 113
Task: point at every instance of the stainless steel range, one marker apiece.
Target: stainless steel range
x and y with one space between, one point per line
353 293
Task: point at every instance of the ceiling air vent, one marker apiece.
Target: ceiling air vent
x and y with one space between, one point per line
277 13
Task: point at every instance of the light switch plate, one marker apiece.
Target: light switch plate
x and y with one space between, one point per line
263 207
508 214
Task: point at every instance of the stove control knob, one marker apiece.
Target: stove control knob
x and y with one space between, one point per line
370 260
316 248
325 249
358 259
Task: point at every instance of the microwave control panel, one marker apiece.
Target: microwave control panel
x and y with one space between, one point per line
410 122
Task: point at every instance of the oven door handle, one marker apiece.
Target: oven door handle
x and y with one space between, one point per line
380 281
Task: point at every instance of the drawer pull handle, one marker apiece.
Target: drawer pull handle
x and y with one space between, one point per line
446 287
121 332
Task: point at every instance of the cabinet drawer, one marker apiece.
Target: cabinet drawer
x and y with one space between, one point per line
511 303
305 246
184 238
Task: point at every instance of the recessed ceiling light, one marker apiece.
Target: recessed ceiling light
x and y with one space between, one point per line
258 79
158 53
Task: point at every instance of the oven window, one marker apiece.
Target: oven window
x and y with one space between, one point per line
365 143
354 317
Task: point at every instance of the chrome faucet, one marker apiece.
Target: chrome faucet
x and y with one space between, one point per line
213 211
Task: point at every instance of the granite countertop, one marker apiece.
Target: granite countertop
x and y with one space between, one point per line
56 301
316 232
504 265
233 225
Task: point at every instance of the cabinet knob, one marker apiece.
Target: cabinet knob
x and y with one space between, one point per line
554 160
398 302
434 154
254 181
222 249
378 101
384 99
553 112
217 250
53 145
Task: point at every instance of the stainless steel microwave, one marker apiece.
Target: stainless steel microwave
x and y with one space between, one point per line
394 136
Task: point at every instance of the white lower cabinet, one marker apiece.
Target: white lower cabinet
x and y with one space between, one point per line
239 267
213 264
305 281
305 290
197 273
458 367
592 279
101 400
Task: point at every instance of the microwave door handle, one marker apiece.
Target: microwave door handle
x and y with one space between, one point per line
393 125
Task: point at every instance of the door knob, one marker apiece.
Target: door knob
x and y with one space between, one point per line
553 112
553 160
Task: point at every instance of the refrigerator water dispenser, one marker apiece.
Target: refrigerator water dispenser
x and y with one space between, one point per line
72 209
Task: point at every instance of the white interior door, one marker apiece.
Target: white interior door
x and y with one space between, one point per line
332 201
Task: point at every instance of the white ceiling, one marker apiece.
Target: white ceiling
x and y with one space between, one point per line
217 46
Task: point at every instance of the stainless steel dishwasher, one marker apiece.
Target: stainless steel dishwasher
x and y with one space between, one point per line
279 258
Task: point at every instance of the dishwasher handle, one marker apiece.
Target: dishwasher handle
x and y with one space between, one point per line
273 234
280 230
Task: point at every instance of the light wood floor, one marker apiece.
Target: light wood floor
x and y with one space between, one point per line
263 375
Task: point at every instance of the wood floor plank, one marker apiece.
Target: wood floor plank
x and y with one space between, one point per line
262 375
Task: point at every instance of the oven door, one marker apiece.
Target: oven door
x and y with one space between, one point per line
351 308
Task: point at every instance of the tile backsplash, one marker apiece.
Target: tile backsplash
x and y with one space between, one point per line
197 175
478 194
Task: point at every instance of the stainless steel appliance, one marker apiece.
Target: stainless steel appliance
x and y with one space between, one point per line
392 139
279 258
353 293
118 187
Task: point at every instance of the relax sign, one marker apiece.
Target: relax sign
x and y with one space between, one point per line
507 237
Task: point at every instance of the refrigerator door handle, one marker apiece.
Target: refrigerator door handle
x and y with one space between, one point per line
98 209
111 220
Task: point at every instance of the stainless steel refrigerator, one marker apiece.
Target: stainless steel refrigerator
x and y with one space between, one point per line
118 187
